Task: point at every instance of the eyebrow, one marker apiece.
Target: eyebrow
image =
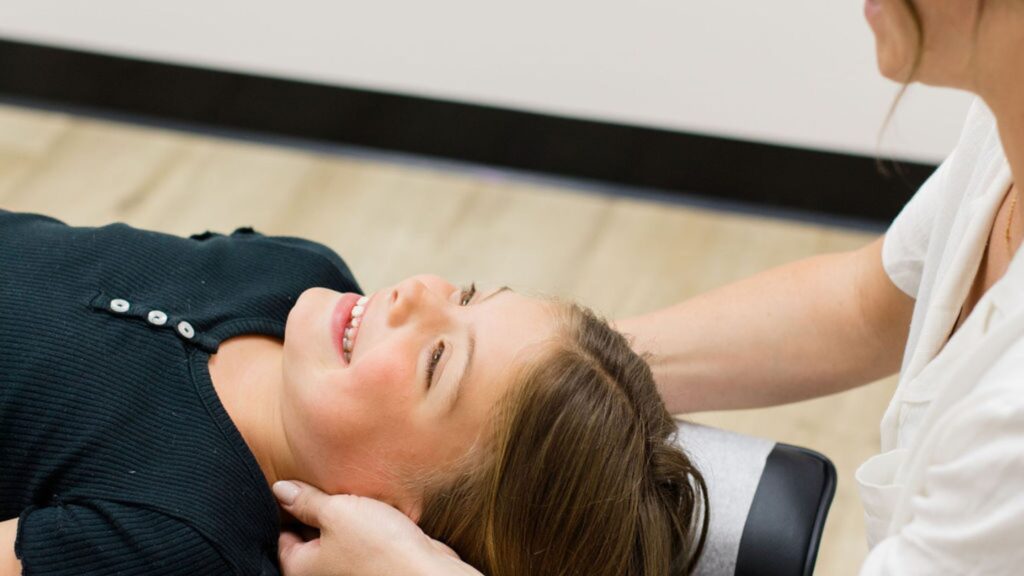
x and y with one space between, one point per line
470 350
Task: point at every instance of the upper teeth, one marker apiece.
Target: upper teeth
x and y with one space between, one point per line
353 327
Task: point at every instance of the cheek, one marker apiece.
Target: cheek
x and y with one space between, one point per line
366 405
386 379
361 424
376 422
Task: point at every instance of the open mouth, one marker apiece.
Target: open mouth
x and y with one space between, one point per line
348 315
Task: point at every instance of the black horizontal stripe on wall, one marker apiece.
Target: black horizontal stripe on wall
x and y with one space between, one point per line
759 174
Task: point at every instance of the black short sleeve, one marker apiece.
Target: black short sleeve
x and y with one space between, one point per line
248 233
316 248
102 538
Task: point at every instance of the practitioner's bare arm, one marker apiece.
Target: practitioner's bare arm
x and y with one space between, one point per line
806 329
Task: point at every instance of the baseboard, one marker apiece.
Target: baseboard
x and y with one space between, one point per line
758 174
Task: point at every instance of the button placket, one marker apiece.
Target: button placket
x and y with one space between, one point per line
155 317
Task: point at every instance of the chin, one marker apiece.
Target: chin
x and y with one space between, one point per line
893 63
894 52
891 71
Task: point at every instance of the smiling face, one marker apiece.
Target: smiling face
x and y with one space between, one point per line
370 425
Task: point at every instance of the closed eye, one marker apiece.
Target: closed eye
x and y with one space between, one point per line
435 358
466 296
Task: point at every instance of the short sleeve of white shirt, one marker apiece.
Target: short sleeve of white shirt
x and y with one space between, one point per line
906 241
909 240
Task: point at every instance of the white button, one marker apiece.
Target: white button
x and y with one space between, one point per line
120 306
185 329
157 318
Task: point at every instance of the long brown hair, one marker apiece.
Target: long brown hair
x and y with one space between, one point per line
581 475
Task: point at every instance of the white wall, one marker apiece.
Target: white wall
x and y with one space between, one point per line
797 72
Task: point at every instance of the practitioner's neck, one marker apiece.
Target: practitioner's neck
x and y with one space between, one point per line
247 375
1007 104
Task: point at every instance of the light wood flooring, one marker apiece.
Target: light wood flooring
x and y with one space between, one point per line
620 255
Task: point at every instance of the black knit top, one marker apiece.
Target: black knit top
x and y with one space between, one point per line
116 454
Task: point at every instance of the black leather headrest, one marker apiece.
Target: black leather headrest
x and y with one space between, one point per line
768 502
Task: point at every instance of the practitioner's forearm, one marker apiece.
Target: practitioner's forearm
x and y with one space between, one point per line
806 329
9 564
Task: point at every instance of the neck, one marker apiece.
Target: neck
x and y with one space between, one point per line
247 376
1007 104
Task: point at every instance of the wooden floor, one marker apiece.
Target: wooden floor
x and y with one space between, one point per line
617 254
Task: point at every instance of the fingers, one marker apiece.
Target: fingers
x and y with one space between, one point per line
298 558
303 501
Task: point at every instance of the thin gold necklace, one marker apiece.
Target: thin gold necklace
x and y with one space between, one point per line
1009 222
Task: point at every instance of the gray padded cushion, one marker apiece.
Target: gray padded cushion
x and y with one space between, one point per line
732 465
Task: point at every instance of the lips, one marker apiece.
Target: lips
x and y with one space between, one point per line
340 319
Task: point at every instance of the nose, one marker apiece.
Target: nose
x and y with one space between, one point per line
412 300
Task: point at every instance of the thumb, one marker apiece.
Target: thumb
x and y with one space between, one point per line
301 500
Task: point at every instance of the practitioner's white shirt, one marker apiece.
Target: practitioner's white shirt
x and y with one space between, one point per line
946 494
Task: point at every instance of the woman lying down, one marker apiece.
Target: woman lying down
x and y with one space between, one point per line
153 388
